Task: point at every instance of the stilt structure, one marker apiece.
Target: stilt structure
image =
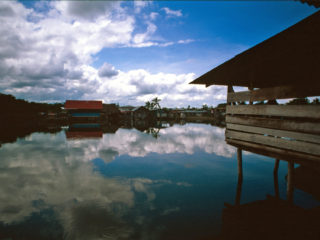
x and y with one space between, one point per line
284 66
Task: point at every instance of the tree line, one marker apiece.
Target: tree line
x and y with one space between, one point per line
10 105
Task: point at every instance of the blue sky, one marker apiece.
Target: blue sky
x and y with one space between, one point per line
129 52
220 29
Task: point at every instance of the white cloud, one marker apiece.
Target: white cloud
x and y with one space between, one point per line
107 70
154 15
185 41
172 13
143 39
140 4
47 55
87 10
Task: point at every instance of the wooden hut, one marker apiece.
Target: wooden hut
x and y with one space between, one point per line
84 111
282 67
140 113
111 112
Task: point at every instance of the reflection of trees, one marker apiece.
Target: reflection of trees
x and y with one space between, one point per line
154 132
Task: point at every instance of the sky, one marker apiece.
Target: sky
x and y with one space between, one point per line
129 52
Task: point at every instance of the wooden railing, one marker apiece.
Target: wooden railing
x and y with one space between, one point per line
281 131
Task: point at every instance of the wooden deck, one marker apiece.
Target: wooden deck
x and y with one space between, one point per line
288 132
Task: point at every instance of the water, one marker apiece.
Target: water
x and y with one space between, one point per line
178 182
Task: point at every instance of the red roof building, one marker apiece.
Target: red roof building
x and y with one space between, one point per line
79 104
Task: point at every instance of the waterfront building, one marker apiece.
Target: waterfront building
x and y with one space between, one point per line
282 67
84 111
140 113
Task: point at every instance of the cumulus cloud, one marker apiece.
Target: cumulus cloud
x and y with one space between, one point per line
172 13
88 10
107 70
46 54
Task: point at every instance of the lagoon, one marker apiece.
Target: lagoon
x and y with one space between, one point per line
131 184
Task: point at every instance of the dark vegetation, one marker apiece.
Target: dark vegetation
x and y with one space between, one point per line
295 101
19 118
10 105
303 101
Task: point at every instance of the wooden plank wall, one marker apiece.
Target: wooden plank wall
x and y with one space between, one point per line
292 130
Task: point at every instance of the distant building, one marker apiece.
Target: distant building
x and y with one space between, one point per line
140 113
111 112
161 113
193 113
52 116
110 109
84 111
126 109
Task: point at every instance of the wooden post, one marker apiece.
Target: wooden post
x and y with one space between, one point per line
239 185
290 181
276 166
230 90
275 179
250 102
239 158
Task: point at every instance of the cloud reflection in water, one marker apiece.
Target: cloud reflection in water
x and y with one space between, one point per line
46 171
177 139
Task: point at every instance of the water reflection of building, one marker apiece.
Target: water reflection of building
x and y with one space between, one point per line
274 218
84 131
90 130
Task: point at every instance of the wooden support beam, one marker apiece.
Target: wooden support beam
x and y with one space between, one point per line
275 178
281 92
281 143
276 166
290 125
239 158
294 111
290 185
230 90
240 178
250 91
273 132
273 152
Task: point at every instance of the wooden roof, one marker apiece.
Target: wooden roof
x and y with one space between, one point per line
289 58
111 108
315 3
140 108
79 104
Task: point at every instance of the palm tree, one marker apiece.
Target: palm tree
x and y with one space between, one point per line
148 105
155 103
